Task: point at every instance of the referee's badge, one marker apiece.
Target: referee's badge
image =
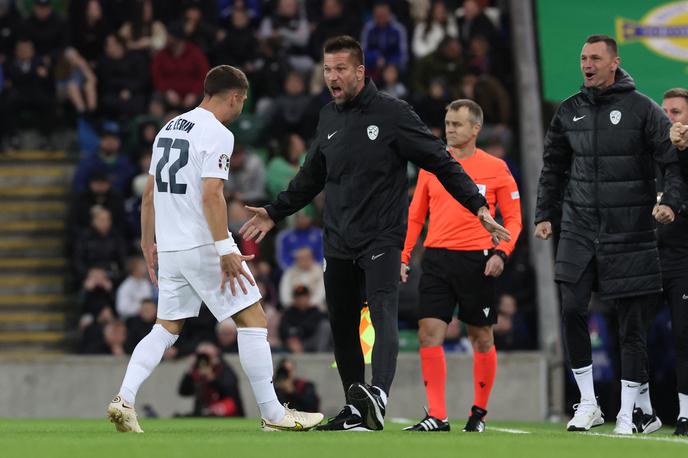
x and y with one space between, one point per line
373 131
223 163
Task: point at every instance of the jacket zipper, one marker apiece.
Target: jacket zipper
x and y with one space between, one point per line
596 166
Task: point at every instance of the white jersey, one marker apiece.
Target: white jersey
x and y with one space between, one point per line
192 146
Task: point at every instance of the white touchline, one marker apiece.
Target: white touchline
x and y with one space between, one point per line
639 437
506 430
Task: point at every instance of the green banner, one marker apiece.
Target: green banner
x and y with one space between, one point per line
652 37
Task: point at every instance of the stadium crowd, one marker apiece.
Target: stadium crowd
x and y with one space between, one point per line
116 70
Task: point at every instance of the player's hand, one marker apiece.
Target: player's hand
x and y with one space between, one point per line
150 254
494 266
259 225
663 214
543 230
233 269
497 231
679 135
403 275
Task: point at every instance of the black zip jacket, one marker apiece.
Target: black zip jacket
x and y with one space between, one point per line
359 157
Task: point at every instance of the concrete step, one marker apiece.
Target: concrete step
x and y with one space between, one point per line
15 246
24 352
14 210
37 264
35 156
13 175
32 284
33 227
37 321
53 191
33 302
36 337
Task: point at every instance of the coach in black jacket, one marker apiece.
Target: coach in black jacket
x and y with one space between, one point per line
600 151
359 157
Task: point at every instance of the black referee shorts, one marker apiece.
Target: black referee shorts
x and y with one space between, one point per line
457 278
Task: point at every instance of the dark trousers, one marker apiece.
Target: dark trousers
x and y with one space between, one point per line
632 314
676 294
348 283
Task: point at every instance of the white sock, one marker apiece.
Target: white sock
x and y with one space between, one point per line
256 360
629 394
144 359
643 401
683 405
586 385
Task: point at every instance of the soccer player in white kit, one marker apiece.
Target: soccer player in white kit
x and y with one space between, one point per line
184 231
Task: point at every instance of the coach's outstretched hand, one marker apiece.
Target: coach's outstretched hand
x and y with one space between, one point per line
497 231
233 269
258 226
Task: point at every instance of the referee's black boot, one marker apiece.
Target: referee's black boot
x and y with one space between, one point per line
348 419
429 424
475 423
368 400
681 427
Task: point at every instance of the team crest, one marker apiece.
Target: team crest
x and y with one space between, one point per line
373 131
223 163
615 117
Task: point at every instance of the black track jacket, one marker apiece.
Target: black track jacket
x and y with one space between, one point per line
359 157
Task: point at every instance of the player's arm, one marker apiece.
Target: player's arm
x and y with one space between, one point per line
148 246
215 210
418 211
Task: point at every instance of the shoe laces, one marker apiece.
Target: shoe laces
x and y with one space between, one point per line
295 414
583 409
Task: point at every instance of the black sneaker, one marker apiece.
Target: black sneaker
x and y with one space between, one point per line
681 427
346 420
429 424
475 423
646 423
368 401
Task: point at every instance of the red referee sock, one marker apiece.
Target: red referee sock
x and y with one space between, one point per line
434 369
484 371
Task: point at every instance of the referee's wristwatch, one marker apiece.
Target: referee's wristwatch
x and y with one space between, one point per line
502 255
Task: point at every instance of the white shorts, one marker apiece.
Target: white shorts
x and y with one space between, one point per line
187 278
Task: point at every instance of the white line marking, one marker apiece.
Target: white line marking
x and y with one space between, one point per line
640 437
506 430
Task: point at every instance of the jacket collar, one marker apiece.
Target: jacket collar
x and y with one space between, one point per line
623 82
363 98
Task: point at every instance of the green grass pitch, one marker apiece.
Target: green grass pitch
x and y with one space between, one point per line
208 438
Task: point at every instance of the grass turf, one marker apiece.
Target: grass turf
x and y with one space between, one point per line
207 438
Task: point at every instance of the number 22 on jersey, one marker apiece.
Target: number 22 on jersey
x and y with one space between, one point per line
167 144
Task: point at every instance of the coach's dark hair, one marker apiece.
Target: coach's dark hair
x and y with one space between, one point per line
606 39
676 92
224 78
345 43
475 113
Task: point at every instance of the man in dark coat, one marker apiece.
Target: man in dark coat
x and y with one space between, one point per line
599 159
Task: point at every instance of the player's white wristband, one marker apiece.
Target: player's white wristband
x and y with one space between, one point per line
224 247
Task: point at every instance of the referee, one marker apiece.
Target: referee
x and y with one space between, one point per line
459 265
363 142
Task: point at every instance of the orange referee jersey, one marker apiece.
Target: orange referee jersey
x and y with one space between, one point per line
454 227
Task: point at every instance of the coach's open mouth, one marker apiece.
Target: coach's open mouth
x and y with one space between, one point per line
589 75
336 91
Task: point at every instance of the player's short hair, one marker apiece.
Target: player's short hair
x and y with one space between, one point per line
606 39
224 78
475 113
677 92
345 43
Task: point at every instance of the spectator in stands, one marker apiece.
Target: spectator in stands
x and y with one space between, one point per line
142 32
100 246
288 26
108 160
384 41
114 337
489 93
77 83
282 168
30 92
391 83
88 30
271 68
179 69
139 325
198 30
213 384
132 206
99 192
226 336
47 30
304 272
92 340
475 22
445 63
302 234
239 46
428 34
123 80
482 56
9 25
297 392
290 112
510 332
332 23
253 8
97 292
247 181
134 289
304 328
431 108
